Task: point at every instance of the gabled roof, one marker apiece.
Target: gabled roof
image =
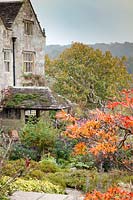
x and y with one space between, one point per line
33 98
42 30
9 11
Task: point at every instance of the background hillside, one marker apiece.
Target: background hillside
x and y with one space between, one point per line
117 49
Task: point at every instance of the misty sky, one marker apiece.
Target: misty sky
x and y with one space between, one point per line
88 21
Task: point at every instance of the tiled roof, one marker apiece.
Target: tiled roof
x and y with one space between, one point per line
9 11
33 98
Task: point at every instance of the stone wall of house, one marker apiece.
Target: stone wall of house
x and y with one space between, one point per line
6 78
11 124
34 43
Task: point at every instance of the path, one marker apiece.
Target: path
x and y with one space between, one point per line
72 195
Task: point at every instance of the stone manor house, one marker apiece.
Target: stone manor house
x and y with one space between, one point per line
22 44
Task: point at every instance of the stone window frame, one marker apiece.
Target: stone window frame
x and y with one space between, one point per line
7 59
28 61
28 27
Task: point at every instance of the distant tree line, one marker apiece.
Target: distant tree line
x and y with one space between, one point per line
116 49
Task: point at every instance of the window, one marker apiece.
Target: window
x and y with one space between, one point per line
31 115
28 27
28 61
7 60
30 112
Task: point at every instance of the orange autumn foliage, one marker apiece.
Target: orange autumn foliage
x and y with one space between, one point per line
113 193
104 133
80 148
99 140
106 117
127 121
85 130
62 115
105 148
126 102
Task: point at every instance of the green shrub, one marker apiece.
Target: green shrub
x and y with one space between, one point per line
48 171
57 179
34 164
83 162
102 181
48 166
89 180
64 163
36 174
2 197
63 149
48 157
76 179
31 185
19 151
10 168
41 135
117 176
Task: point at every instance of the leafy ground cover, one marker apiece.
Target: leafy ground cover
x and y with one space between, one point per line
48 177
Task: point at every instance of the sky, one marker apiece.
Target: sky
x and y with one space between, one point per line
87 21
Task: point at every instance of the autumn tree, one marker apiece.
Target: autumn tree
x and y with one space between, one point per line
87 76
105 135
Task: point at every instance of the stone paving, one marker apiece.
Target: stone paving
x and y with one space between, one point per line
72 195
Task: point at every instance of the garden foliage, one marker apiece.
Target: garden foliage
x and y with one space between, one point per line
105 134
